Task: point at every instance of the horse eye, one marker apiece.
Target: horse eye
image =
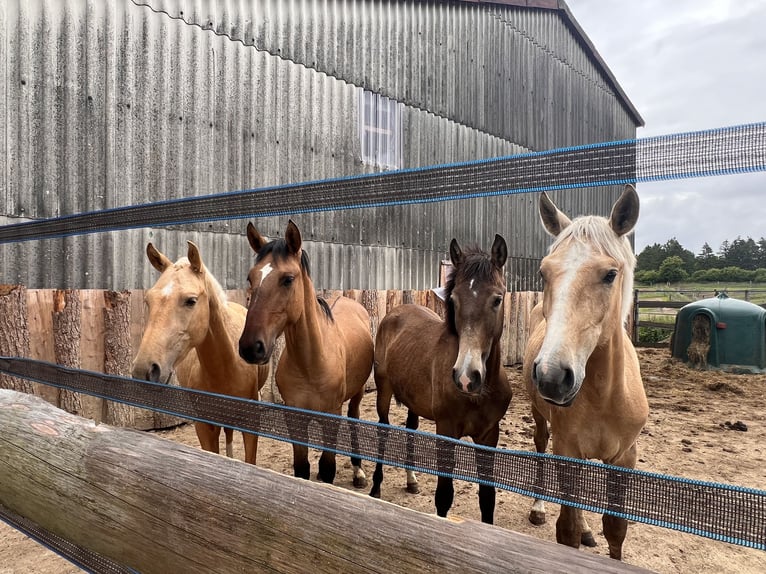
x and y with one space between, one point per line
497 302
190 302
609 277
287 280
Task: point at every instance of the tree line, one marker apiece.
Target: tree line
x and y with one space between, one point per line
736 261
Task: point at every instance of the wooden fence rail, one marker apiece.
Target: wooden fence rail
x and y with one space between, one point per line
159 506
101 331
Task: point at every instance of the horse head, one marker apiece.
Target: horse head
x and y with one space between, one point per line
178 314
588 281
276 291
474 295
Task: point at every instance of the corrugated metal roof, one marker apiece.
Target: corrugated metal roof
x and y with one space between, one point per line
568 16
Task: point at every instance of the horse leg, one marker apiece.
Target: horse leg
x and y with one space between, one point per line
301 464
229 435
537 513
616 528
251 446
571 527
445 460
327 464
412 480
485 465
327 467
360 479
298 429
383 404
208 436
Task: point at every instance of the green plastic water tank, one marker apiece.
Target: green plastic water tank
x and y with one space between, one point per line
737 334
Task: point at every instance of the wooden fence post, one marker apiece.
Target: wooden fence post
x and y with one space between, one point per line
14 332
67 329
117 353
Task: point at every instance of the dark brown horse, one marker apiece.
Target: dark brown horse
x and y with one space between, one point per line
580 368
328 346
450 371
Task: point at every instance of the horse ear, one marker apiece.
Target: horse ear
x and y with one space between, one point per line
499 251
625 212
553 220
256 240
455 253
293 238
194 257
157 259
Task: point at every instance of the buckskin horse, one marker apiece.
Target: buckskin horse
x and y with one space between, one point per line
328 350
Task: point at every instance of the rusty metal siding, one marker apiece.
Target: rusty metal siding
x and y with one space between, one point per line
126 102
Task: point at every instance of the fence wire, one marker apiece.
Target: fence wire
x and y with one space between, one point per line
730 150
722 512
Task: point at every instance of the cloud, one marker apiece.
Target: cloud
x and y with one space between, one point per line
689 65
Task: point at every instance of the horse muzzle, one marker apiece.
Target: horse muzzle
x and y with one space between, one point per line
468 382
255 353
152 373
556 384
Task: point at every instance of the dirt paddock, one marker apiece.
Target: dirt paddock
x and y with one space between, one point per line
696 430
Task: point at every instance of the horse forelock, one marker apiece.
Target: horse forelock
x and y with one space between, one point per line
595 231
476 264
280 252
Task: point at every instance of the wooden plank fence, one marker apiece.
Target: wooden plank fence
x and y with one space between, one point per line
101 330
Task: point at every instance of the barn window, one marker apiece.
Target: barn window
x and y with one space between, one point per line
380 130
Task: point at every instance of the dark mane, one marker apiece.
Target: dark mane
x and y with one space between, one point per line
477 264
279 251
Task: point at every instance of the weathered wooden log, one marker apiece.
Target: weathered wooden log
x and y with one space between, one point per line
14 332
158 506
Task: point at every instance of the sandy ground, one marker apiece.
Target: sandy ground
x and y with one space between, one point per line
687 435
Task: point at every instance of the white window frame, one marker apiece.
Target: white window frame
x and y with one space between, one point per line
380 130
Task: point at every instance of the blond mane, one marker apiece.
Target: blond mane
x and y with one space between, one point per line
595 231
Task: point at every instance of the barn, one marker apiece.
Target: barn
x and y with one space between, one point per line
138 101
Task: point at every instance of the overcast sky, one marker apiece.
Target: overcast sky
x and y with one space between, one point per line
688 65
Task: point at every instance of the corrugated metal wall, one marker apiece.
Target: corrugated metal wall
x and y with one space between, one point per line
125 102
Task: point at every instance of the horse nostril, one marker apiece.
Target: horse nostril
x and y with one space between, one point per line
260 349
154 373
475 380
568 378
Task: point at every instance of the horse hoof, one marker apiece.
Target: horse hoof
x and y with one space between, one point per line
413 488
588 540
375 494
360 482
537 518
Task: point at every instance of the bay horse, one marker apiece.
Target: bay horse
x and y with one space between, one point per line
193 329
450 372
580 367
328 350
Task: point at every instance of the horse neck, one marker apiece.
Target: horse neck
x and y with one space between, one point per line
494 360
606 365
212 351
305 338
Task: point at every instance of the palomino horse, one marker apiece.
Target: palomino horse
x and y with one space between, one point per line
450 371
580 368
328 347
193 329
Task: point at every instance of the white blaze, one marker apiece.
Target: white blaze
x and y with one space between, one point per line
265 271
